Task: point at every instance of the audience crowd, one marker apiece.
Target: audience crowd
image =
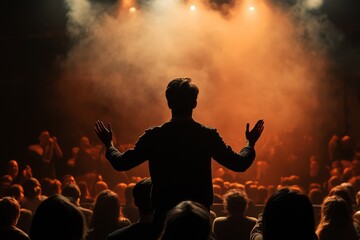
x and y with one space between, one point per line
88 200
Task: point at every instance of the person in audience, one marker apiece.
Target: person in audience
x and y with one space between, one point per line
85 161
336 221
316 196
9 215
288 214
143 229
351 189
106 216
86 200
99 187
235 225
333 182
50 187
44 155
187 220
12 169
5 183
219 182
58 219
357 211
345 194
262 194
186 143
317 173
72 192
67 179
16 191
120 191
32 194
45 185
129 209
217 194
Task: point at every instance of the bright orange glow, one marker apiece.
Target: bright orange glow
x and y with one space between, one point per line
192 8
132 9
252 8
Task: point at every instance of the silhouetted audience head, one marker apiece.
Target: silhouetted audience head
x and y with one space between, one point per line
187 220
16 191
84 189
120 191
235 202
335 210
181 95
57 218
220 182
9 212
32 188
288 214
314 185
344 193
106 210
54 187
99 187
351 189
336 220
333 181
141 194
5 183
316 196
128 194
72 192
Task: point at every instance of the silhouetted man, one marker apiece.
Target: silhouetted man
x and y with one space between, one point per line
180 151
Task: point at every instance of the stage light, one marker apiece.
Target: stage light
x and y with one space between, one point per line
314 4
132 9
192 8
252 9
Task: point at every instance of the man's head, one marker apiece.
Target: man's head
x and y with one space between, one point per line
181 95
72 192
235 202
141 193
10 212
13 168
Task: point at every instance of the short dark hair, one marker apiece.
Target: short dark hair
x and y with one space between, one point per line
288 211
187 220
52 220
71 191
181 94
235 202
141 193
10 211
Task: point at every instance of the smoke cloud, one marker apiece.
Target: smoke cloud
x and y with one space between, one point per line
249 64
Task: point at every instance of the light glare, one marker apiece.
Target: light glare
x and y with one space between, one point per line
314 4
132 9
193 8
252 9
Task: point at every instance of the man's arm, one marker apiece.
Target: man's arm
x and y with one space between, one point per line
124 161
238 162
120 161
